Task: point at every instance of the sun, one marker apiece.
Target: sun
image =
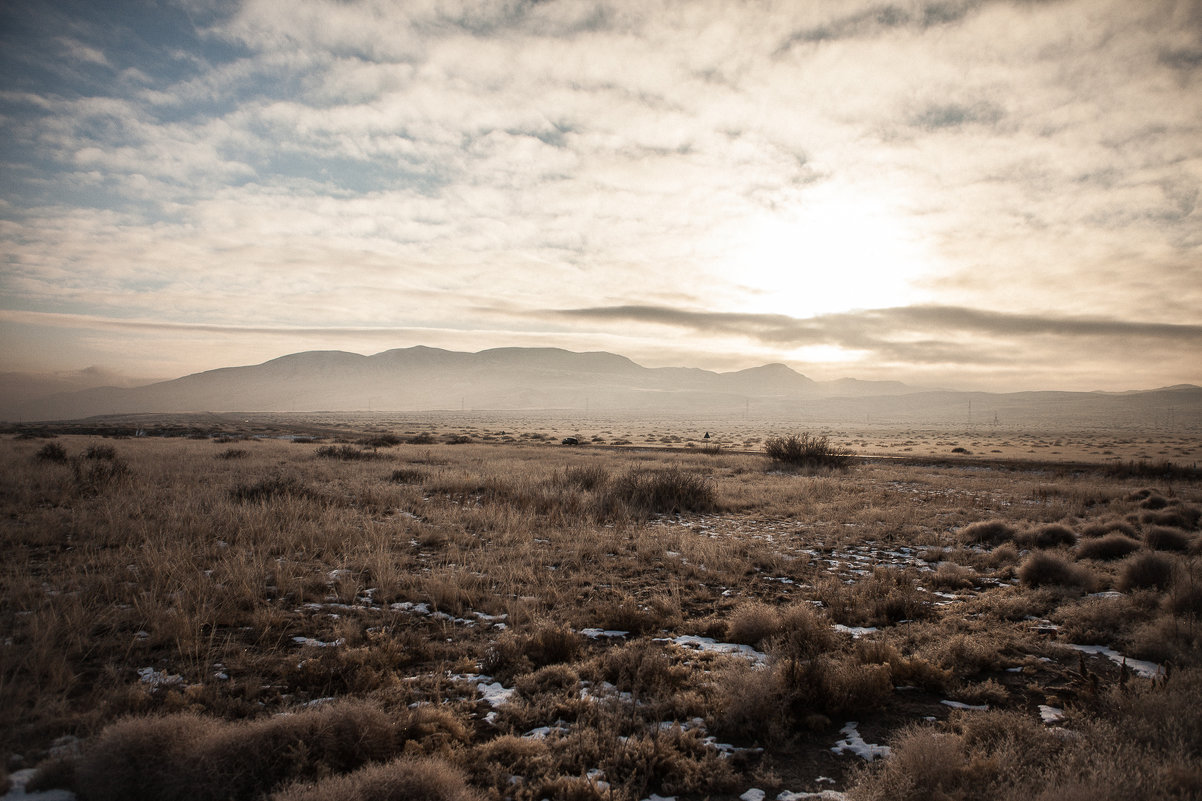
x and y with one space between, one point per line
837 252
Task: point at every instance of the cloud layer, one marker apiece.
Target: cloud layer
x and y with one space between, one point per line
945 190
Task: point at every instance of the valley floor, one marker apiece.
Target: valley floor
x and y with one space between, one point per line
424 611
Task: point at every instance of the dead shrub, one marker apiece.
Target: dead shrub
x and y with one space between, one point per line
186 756
808 451
923 764
431 726
1183 517
1162 538
981 693
407 475
640 668
516 653
753 622
966 654
1043 569
988 532
550 680
140 759
233 453
664 491
1107 548
883 598
345 453
803 633
51 452
1146 571
1185 599
588 478
271 488
951 576
1102 528
1102 621
105 452
904 671
405 779
1051 535
1153 500
94 475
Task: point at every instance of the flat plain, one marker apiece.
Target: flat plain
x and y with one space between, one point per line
460 606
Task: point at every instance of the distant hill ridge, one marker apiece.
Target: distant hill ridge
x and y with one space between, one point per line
422 378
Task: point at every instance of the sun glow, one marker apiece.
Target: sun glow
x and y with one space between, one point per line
840 251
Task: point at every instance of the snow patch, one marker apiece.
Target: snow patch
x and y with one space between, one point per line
696 643
1148 670
853 742
962 705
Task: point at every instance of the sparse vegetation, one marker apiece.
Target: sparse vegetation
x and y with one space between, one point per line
507 618
808 451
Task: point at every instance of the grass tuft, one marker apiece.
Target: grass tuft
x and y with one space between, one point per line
808 451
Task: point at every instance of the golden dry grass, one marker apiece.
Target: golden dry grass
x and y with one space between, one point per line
166 577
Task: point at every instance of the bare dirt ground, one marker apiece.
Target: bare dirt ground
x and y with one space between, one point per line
329 605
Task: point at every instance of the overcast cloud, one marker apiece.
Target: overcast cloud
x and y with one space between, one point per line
978 194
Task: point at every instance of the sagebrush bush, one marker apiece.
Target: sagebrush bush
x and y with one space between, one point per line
405 779
987 532
663 491
1107 548
1162 538
1104 527
807 451
407 475
345 453
278 486
92 476
753 622
1146 571
51 452
1042 569
189 756
1183 517
1051 536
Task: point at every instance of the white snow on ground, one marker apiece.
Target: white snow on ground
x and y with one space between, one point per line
1050 714
309 641
707 644
491 691
962 705
20 778
593 634
856 631
157 678
756 794
852 741
424 609
1149 670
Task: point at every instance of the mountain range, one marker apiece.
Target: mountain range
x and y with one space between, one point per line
424 379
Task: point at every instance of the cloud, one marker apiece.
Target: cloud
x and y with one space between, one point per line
323 163
917 334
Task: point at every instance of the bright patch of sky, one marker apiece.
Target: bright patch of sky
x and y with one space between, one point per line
964 192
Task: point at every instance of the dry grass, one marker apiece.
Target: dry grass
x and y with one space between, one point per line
186 613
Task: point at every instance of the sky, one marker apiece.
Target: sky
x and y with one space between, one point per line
970 194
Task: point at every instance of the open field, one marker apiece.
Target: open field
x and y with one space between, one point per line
461 607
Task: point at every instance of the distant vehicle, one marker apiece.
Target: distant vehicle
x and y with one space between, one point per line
570 441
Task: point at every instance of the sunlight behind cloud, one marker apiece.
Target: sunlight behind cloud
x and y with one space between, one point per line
844 249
